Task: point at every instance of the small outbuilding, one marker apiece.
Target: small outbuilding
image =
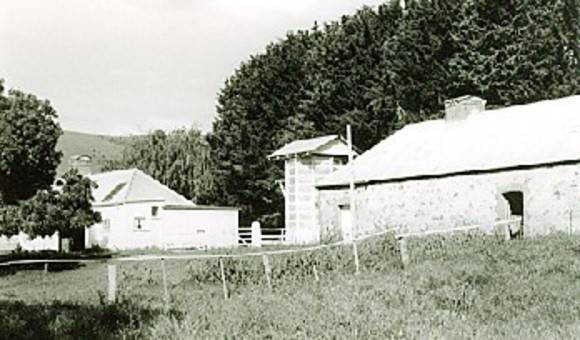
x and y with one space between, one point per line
139 212
306 163
474 167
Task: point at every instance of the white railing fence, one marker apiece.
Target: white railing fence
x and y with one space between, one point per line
256 236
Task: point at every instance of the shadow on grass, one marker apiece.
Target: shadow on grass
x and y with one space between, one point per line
58 320
91 254
53 267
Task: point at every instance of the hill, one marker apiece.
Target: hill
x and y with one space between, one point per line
99 147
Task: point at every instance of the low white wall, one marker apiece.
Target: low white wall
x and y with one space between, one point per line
26 243
200 228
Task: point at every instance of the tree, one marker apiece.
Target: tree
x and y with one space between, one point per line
179 159
254 106
28 136
348 82
516 52
67 211
10 220
416 58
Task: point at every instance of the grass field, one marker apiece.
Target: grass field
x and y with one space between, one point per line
99 147
458 287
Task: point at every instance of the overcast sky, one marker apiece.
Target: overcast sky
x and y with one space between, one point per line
130 66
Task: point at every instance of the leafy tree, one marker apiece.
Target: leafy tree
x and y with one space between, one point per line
179 159
254 108
513 52
416 58
28 135
11 220
348 78
68 210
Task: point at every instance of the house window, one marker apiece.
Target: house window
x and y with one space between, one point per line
154 211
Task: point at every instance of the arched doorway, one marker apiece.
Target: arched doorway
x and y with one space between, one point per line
514 210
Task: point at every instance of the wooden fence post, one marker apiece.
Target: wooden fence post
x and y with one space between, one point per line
223 275
404 251
355 251
267 270
112 274
165 289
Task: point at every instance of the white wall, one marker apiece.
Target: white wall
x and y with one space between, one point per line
200 228
171 228
123 232
22 239
551 202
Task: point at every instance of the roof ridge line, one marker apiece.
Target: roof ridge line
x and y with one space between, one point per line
164 187
130 184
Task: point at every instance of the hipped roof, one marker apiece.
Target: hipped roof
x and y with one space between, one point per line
525 135
130 186
319 145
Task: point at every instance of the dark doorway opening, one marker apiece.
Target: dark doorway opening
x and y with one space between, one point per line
515 212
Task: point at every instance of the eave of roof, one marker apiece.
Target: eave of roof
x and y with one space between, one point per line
308 147
532 135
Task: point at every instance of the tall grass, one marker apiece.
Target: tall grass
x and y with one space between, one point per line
456 286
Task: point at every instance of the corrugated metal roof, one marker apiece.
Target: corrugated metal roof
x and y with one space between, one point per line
538 133
304 146
133 185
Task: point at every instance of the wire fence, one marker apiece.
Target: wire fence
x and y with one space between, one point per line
166 273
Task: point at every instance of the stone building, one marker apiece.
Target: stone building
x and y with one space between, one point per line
474 167
306 163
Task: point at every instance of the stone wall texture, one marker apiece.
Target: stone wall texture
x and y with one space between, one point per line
551 202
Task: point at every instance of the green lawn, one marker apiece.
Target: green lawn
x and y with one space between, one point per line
457 287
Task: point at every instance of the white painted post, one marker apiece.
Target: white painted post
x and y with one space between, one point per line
46 268
112 274
404 251
506 231
256 234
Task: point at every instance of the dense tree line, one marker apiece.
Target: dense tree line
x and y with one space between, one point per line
379 69
180 159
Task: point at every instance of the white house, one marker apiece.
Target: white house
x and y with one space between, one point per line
138 212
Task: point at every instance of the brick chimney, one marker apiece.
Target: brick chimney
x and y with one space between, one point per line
459 108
